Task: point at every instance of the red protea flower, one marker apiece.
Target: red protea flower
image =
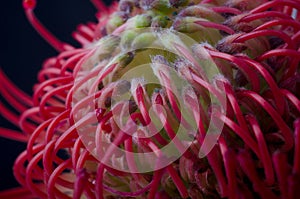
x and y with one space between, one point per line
165 99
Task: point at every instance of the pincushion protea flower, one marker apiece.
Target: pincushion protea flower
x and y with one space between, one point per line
70 127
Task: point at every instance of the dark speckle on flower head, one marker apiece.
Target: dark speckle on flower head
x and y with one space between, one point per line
126 5
178 3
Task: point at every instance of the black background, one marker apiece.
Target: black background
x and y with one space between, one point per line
23 52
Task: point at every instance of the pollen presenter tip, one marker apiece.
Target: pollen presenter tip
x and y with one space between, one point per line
29 4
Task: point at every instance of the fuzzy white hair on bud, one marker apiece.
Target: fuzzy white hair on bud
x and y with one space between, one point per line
135 84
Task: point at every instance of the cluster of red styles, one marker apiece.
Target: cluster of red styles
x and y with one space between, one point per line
255 47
